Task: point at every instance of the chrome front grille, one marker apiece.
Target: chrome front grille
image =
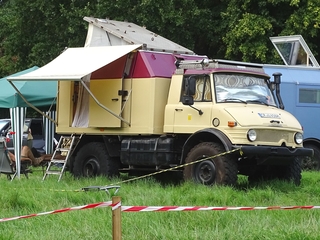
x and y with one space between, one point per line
266 135
270 137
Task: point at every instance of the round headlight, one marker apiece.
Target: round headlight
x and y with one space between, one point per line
252 135
298 138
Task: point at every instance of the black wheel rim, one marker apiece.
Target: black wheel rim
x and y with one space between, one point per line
91 168
205 172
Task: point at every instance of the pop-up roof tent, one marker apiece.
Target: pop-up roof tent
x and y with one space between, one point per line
105 32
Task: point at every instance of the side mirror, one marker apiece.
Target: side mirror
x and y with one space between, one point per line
187 100
190 86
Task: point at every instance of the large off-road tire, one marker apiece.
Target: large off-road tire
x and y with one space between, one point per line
311 163
220 170
93 160
70 164
292 172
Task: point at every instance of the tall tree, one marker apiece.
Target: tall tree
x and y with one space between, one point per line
252 22
35 32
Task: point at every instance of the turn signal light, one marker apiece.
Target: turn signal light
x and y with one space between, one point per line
232 124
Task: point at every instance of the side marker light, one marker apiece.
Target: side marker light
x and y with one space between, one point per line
232 124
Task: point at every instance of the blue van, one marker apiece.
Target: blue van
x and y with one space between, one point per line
300 89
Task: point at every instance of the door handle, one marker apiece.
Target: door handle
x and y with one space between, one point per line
115 99
179 109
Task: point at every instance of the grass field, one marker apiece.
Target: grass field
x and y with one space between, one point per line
26 196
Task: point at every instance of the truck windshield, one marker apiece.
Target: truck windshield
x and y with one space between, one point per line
242 88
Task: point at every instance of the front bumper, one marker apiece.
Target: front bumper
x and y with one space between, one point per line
274 155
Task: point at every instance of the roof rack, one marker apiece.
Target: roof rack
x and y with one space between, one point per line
218 63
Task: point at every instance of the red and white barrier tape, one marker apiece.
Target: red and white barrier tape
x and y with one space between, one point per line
94 205
157 209
195 208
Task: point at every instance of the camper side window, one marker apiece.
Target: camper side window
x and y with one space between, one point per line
309 95
203 89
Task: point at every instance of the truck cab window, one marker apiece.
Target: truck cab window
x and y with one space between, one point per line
203 89
242 88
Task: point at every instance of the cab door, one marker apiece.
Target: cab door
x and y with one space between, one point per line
191 118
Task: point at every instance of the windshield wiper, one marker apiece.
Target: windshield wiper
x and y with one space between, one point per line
257 101
234 100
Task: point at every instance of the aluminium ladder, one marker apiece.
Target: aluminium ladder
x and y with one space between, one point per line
60 157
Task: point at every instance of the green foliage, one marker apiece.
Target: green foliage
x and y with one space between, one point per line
35 32
246 40
251 23
305 21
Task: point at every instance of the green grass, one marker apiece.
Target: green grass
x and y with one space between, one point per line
26 196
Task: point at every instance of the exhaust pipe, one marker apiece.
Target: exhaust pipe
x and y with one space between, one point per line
277 81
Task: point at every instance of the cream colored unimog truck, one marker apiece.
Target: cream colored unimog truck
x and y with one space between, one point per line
140 109
158 121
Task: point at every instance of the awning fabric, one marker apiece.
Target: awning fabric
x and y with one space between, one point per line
75 63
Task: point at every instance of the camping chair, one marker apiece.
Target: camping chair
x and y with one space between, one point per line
7 166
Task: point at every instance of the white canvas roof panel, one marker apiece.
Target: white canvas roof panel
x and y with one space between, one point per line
75 63
121 33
